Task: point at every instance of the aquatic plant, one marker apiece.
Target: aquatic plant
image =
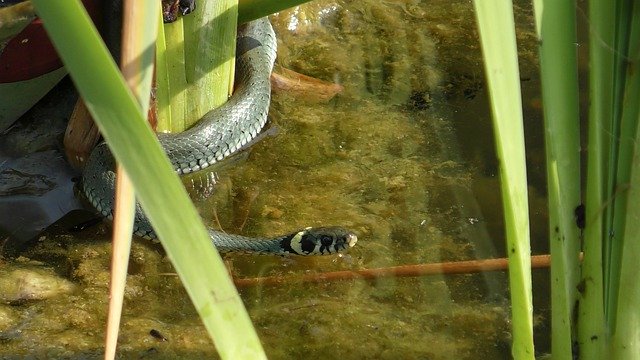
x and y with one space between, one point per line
594 303
497 36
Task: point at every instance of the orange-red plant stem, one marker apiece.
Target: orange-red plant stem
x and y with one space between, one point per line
448 268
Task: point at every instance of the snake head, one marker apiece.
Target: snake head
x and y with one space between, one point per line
319 241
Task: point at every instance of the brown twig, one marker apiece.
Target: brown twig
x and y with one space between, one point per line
448 268
303 87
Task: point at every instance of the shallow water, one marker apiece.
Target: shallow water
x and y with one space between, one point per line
404 157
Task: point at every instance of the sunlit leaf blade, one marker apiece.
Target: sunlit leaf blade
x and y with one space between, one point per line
210 56
196 58
497 37
172 72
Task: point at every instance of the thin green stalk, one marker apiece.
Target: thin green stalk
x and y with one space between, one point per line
625 341
622 147
591 318
497 37
168 207
137 68
612 68
626 327
558 67
124 214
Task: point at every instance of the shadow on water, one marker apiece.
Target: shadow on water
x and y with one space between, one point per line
404 157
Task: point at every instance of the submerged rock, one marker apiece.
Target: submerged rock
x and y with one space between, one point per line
31 283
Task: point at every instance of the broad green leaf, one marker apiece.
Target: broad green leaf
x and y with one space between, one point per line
497 37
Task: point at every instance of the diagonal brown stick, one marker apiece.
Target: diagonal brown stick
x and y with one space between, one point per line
448 268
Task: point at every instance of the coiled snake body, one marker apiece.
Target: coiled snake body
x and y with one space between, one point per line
217 135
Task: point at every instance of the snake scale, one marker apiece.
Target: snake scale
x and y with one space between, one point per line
220 133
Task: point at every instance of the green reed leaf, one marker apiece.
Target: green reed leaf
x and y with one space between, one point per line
497 37
558 67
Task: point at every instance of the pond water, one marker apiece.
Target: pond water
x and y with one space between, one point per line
403 157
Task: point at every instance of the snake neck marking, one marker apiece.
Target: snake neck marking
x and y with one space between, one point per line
318 241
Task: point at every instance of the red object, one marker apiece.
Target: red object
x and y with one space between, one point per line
30 54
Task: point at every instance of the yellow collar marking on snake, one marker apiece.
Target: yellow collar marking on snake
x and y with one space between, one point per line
296 242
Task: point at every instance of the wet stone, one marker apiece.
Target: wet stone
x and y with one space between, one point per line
21 284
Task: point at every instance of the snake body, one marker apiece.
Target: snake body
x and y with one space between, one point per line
220 133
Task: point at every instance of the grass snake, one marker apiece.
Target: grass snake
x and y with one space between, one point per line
220 133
